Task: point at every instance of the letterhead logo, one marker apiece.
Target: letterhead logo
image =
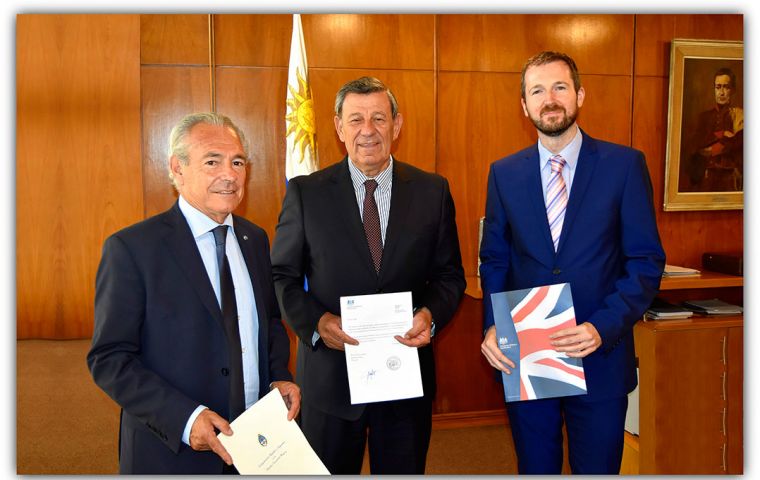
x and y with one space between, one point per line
350 302
262 440
503 342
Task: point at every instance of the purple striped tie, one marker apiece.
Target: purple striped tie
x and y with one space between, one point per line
556 198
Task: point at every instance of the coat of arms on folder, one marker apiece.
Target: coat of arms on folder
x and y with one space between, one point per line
524 320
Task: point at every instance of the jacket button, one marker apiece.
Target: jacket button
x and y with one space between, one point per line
556 271
225 371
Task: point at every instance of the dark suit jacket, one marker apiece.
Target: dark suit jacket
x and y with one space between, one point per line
159 347
609 249
320 235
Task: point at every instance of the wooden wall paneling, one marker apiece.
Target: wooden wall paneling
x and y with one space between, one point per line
606 111
253 40
254 98
710 26
168 94
504 42
480 121
465 380
654 34
650 106
369 41
414 91
77 161
174 39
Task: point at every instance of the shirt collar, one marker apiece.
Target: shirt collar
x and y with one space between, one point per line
570 153
383 179
199 223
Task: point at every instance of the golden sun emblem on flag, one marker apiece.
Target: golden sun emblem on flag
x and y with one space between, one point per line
300 117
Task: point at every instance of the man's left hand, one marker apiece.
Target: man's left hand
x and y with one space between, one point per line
291 393
419 335
578 341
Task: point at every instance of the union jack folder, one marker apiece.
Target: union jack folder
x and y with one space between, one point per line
524 320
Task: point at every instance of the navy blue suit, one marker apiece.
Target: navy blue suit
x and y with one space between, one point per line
609 251
159 347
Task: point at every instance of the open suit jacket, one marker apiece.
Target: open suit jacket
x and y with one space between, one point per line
320 235
159 347
609 249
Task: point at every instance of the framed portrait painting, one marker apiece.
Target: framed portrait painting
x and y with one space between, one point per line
704 163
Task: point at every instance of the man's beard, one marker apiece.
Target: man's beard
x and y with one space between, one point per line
554 129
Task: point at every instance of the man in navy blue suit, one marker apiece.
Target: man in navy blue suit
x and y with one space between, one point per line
187 329
572 209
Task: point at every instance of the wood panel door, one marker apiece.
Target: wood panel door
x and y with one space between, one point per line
682 400
734 456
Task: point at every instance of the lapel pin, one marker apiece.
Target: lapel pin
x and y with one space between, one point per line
245 237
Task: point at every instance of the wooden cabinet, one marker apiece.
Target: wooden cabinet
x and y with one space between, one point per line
690 389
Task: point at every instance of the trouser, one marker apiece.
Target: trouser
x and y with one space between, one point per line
595 433
398 434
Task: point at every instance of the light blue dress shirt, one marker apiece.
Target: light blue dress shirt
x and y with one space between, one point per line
248 321
570 153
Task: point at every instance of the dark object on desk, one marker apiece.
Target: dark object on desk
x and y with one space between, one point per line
713 307
728 263
662 310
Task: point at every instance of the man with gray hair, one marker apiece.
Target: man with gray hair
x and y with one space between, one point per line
369 224
187 330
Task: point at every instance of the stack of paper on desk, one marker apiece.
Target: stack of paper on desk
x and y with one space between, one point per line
676 271
380 368
524 320
713 307
662 310
264 442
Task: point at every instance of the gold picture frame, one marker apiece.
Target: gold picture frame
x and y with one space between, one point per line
704 163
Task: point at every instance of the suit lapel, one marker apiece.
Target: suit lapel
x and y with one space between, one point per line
181 244
344 202
584 172
536 198
401 200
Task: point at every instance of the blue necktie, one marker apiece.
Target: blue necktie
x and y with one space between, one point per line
230 315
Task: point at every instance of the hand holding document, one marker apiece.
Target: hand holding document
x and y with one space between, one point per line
524 320
380 368
266 443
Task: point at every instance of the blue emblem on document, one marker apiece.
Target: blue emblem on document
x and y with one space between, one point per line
262 440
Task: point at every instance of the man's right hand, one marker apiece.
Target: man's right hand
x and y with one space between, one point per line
330 330
493 354
203 435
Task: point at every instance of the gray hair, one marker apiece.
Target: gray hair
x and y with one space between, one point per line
178 145
363 86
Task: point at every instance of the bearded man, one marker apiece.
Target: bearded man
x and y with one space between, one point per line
572 209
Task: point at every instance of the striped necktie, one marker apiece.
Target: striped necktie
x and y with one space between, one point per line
556 198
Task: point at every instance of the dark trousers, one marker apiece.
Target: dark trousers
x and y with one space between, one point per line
595 431
398 433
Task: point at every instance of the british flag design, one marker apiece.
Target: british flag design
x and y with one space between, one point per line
524 321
